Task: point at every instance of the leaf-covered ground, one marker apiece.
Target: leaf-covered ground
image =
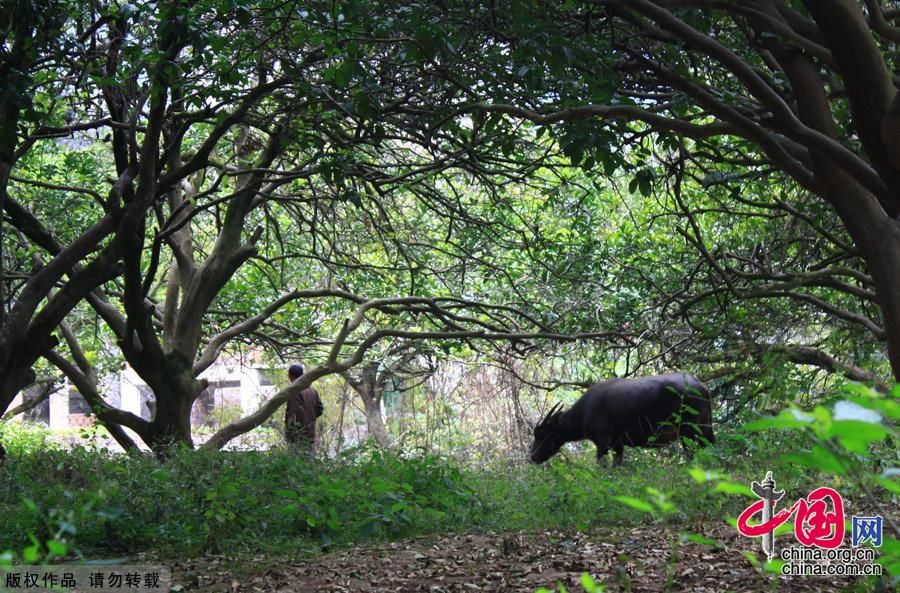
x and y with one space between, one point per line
640 559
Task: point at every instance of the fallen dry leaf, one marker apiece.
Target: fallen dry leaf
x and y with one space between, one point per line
650 559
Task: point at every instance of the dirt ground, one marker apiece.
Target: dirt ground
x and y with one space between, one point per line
642 559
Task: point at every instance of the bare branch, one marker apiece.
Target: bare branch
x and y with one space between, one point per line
621 112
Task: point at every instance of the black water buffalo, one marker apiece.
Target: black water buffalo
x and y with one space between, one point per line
641 412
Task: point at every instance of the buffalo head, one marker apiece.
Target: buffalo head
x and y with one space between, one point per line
548 437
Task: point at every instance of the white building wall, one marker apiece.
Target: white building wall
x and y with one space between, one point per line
253 392
17 401
236 384
59 408
131 395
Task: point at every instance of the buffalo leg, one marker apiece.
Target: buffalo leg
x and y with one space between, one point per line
619 448
602 449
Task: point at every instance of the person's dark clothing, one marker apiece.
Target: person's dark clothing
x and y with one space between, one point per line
300 418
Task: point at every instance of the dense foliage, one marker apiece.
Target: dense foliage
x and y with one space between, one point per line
340 184
395 193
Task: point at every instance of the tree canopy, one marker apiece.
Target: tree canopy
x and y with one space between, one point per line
664 184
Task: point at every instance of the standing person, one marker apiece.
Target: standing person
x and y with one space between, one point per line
301 413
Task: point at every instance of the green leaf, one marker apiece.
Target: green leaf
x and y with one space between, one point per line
699 539
355 199
751 558
635 503
57 548
820 458
788 419
732 488
889 408
889 485
343 74
701 476
590 585
645 186
855 410
856 435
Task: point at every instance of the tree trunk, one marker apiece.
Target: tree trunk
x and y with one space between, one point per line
13 382
868 220
174 389
369 387
340 425
375 422
878 238
170 428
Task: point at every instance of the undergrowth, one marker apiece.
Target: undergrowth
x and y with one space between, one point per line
88 503
98 503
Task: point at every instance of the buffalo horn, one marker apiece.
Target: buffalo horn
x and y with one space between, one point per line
552 412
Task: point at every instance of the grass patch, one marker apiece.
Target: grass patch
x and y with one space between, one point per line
91 504
99 504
